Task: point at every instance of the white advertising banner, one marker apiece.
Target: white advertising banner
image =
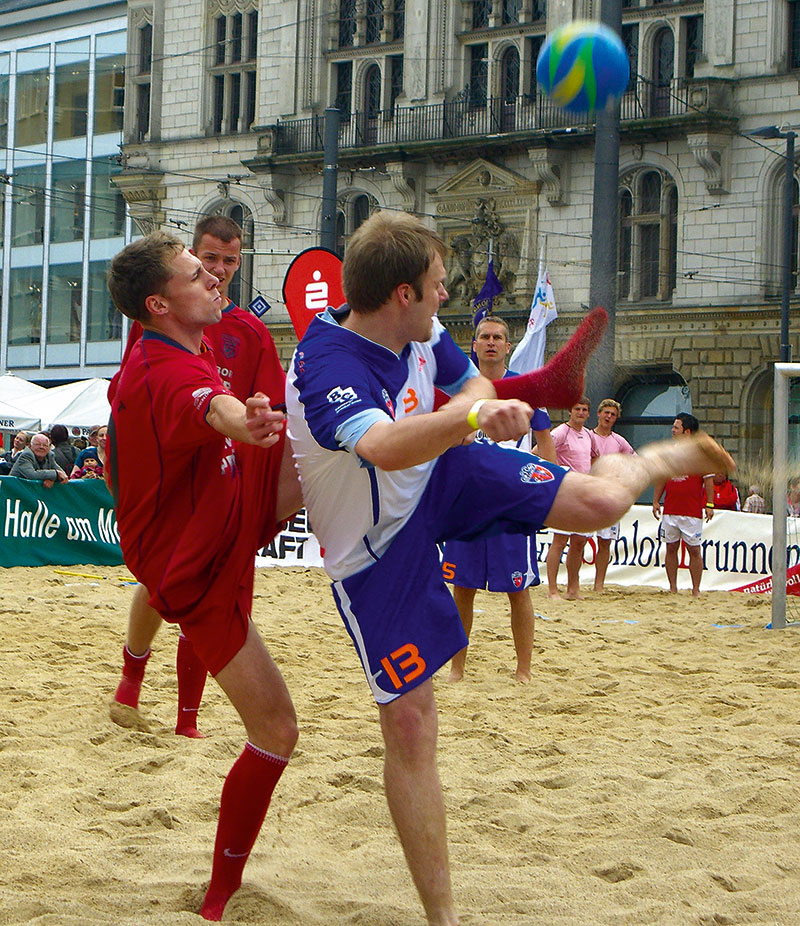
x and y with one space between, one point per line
737 551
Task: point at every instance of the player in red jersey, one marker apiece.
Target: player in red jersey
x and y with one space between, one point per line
685 500
200 482
247 362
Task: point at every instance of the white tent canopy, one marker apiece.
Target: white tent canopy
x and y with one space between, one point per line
13 389
13 418
76 405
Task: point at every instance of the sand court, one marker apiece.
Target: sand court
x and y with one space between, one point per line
648 774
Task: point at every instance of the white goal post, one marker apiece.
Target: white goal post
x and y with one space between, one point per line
784 373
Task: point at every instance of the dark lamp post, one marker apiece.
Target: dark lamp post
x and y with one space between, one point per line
772 131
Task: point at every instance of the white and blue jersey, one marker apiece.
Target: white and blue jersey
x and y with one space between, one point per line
339 384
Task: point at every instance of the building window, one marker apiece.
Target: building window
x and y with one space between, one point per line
372 104
72 90
630 39
480 13
478 75
103 321
539 10
399 19
347 23
64 304
68 200
511 11
109 88
648 236
107 204
694 43
663 71
396 79
351 212
233 73
25 305
5 87
509 88
344 89
794 34
33 81
535 43
142 82
374 25
27 223
773 232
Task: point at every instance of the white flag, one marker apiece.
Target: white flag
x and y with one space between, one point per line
529 353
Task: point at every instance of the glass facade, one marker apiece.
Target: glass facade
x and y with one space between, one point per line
61 107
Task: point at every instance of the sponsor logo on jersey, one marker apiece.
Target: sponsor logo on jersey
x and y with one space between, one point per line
516 578
421 360
533 472
343 397
199 395
388 402
230 345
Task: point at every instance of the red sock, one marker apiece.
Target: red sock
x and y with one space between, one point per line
242 808
559 383
132 674
191 682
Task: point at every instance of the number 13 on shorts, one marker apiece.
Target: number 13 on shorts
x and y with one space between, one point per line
404 658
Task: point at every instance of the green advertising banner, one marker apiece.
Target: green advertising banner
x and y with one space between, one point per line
63 526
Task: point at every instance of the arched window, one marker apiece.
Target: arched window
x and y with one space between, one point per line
648 235
663 71
509 87
352 211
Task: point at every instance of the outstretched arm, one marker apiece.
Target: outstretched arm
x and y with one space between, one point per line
252 423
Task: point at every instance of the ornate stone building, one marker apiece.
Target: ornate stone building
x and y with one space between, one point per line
441 116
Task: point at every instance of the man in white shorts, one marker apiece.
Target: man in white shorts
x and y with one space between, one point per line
575 448
607 441
685 500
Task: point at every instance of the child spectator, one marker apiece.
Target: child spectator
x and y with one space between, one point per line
91 469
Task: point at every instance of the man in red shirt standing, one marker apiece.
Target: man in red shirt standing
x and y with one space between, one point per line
200 482
247 362
685 501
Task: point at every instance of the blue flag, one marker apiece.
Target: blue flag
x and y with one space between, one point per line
492 287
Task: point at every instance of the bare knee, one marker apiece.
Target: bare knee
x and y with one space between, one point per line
277 732
409 727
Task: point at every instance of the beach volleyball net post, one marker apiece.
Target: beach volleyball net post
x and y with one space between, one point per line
785 528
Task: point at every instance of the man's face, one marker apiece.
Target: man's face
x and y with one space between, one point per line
222 258
40 446
420 312
607 416
677 428
491 343
578 415
191 294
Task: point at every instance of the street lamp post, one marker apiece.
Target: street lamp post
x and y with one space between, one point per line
772 131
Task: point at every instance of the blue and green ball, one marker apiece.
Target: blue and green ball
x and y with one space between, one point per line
582 66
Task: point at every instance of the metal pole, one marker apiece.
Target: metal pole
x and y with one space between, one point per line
603 273
327 231
786 284
780 450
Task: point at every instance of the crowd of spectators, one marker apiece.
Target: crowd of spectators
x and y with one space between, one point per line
51 457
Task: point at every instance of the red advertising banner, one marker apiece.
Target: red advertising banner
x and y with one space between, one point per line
312 283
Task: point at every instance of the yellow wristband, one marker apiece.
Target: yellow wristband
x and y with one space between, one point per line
472 417
709 504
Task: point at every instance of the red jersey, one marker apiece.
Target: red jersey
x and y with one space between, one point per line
245 353
726 496
686 496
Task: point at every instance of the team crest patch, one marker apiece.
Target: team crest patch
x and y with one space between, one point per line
387 402
230 345
199 395
533 472
516 578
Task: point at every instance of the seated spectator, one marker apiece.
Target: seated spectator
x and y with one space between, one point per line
20 442
726 495
91 469
754 503
38 462
97 434
65 453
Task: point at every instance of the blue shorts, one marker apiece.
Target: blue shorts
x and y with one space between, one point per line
500 564
398 611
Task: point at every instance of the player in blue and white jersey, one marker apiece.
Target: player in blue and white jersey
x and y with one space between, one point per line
384 478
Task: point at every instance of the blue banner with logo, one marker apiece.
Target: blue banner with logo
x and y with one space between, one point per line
70 523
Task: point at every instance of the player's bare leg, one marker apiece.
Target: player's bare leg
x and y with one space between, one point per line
586 503
414 794
671 565
522 629
554 555
695 569
464 599
574 562
601 563
256 688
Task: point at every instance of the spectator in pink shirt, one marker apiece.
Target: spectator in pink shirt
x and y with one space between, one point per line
607 442
576 448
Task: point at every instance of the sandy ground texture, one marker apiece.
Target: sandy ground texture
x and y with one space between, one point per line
648 774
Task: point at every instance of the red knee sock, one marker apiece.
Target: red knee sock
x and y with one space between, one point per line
559 383
191 682
132 674
243 806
